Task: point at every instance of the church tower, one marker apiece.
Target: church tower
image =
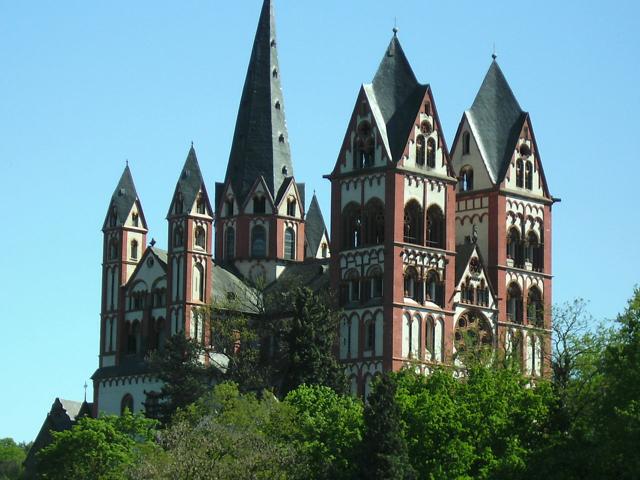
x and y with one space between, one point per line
392 241
189 259
124 240
260 224
504 202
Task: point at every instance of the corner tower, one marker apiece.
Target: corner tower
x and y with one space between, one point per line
260 206
504 202
392 237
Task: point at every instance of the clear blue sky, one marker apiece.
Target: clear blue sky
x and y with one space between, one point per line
86 85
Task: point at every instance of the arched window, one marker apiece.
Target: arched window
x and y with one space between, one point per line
135 219
466 140
259 205
200 205
534 252
258 242
373 222
368 380
375 276
289 244
412 285
364 146
198 282
431 153
514 303
133 337
528 176
126 404
466 179
438 342
230 243
160 333
351 226
413 223
420 150
369 334
434 288
435 227
519 173
535 312
291 207
178 236
229 207
134 249
514 247
113 249
201 237
429 339
325 250
353 283
472 334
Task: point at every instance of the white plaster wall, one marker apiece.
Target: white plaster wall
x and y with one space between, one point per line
351 191
481 179
110 395
290 193
260 191
510 180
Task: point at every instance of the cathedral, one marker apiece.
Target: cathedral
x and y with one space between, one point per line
429 248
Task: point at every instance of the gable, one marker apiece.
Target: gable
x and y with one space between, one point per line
471 273
462 159
150 269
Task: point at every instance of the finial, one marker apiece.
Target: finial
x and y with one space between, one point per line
152 242
493 55
85 391
191 143
127 162
395 26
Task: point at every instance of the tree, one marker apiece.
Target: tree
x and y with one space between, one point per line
11 457
185 377
331 428
385 453
225 435
100 449
304 338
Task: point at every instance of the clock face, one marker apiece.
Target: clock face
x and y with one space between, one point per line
474 265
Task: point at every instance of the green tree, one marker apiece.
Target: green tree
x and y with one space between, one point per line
385 454
100 449
331 428
11 457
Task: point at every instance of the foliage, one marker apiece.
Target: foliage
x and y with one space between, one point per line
225 435
385 454
11 457
185 378
331 428
100 448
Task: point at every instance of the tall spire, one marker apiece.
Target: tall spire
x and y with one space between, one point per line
122 200
261 142
190 181
497 118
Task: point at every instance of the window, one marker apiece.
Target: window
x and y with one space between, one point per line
525 151
291 207
420 150
178 236
375 275
258 242
466 179
133 337
198 282
126 404
519 173
229 207
435 227
230 243
369 334
351 224
413 223
472 333
113 249
200 205
134 249
290 244
535 313
259 205
533 251
373 222
431 153
412 285
364 146
134 219
434 288
466 140
514 303
429 339
411 336
201 237
325 250
528 179
514 248
425 127
353 281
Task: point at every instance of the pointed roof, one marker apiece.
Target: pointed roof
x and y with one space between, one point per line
496 118
123 198
397 95
314 225
260 141
190 180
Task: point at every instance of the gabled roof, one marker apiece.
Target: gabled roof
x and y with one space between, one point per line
123 198
257 147
312 274
464 253
314 225
396 96
496 118
190 182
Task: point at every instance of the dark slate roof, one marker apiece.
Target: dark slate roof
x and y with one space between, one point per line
257 149
123 198
127 367
190 181
314 225
496 118
398 96
313 274
226 282
463 255
161 254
